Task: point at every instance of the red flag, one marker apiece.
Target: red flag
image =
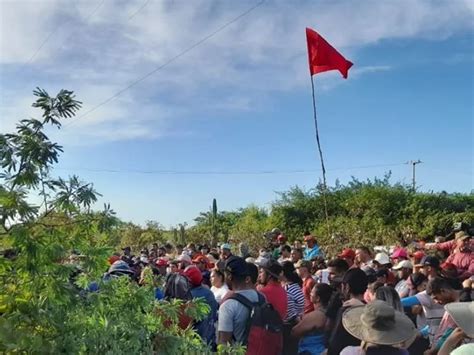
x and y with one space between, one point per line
323 57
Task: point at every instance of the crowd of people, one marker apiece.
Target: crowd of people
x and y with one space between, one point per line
293 299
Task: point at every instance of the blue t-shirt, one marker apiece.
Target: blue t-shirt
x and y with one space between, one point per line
312 253
206 327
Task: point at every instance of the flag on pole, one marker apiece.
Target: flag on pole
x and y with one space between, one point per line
323 57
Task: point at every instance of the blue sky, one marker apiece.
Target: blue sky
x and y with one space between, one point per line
241 101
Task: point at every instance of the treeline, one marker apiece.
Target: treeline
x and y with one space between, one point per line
371 212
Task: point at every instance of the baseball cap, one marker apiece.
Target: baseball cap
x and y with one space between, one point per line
404 264
226 246
160 262
419 254
382 258
399 253
461 235
184 258
237 266
281 237
201 259
429 261
304 263
348 253
193 274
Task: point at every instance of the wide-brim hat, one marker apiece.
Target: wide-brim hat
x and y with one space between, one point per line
463 315
378 323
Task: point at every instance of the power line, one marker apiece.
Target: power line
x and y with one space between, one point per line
48 37
237 172
139 9
171 60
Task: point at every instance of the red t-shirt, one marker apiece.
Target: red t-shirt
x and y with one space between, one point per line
276 296
308 285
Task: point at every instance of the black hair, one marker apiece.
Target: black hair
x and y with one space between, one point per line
339 264
286 248
417 279
298 250
253 272
290 274
438 284
324 292
357 281
306 233
168 246
220 274
389 295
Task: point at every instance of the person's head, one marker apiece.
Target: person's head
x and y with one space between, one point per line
389 295
253 275
418 282
381 275
204 249
169 248
449 270
348 255
303 268
309 240
154 246
217 278
173 267
127 251
161 265
296 255
183 261
270 272
404 269
236 273
191 247
443 291
372 288
285 251
161 252
354 283
462 240
194 275
281 239
336 268
321 294
363 255
430 266
201 262
399 255
225 251
289 273
179 249
297 244
381 260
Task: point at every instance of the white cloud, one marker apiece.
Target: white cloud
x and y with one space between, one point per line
261 53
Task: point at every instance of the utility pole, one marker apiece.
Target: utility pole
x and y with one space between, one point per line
413 163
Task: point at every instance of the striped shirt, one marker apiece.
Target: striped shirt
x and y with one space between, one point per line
295 301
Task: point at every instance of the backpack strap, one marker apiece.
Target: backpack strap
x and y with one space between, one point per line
249 305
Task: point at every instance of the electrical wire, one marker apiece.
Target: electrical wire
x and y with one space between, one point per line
210 172
168 62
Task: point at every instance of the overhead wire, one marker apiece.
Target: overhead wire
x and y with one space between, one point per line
168 62
223 172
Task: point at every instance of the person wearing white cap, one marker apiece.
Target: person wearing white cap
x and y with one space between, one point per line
381 260
404 269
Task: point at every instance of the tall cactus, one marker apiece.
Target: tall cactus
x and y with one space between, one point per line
214 222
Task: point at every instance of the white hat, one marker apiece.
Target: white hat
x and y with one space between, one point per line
382 258
404 264
184 258
463 315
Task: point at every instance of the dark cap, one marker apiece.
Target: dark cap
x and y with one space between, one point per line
430 261
237 266
273 268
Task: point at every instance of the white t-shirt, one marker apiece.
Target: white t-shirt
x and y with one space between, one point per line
402 288
219 293
433 312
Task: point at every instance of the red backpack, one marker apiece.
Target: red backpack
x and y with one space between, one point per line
264 331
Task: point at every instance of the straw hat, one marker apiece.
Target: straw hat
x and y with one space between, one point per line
378 323
463 315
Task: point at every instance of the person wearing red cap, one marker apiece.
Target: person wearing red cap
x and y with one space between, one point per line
349 256
202 263
205 327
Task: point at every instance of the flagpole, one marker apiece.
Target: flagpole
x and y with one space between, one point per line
321 158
